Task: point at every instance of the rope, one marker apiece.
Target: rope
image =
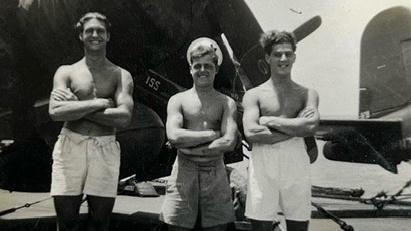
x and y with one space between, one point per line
12 210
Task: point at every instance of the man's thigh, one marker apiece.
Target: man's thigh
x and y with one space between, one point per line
296 225
67 204
177 228
100 208
257 225
216 228
67 211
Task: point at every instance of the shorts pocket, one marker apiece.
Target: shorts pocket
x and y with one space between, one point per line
59 146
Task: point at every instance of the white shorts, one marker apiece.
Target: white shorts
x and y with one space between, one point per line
85 165
279 180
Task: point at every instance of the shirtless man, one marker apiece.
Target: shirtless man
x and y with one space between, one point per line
277 115
201 125
94 97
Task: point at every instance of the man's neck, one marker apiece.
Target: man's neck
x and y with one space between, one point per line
281 80
95 59
203 91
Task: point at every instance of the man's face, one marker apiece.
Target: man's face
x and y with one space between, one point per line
94 35
281 59
203 71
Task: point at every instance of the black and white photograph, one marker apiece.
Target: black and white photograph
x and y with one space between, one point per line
213 115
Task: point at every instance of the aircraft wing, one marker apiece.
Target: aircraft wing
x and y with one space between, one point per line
374 141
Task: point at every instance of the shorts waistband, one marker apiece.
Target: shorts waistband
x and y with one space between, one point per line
78 138
292 142
188 164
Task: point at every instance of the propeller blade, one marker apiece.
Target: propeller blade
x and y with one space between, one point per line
307 28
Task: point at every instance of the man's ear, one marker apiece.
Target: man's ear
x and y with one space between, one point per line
267 58
191 69
217 68
108 37
80 36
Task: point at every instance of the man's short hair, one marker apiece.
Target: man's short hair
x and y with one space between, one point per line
90 15
274 37
204 46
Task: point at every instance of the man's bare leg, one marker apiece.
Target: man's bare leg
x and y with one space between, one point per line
216 228
177 228
68 212
296 225
100 209
257 225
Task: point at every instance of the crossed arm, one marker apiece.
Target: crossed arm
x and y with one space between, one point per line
253 130
208 144
120 115
303 125
65 106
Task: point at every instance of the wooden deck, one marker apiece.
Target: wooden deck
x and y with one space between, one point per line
132 212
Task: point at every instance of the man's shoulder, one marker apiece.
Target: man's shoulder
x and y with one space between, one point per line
304 89
66 69
114 68
225 98
180 95
72 67
256 91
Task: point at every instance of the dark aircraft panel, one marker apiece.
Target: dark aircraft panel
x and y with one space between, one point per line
363 141
385 77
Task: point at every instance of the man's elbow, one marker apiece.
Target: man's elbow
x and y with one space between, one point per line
310 130
56 115
231 145
173 138
250 136
124 121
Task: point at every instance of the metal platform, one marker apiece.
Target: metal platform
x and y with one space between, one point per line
132 213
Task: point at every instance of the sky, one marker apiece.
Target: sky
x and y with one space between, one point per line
328 59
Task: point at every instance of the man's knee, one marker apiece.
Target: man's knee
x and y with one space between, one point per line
99 219
177 228
297 225
257 225
68 222
99 223
100 209
67 211
216 228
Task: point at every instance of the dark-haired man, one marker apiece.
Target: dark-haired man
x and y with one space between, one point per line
277 115
94 97
201 125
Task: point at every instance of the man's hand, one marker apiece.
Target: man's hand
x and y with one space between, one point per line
106 103
63 95
264 120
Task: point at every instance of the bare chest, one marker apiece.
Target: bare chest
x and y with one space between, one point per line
201 115
281 104
86 85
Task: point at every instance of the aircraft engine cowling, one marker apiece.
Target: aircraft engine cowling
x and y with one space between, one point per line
141 144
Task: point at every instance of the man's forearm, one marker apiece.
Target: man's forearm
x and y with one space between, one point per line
114 117
268 138
73 110
185 138
264 135
222 144
299 127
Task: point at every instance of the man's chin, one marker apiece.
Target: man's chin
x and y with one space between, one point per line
96 47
